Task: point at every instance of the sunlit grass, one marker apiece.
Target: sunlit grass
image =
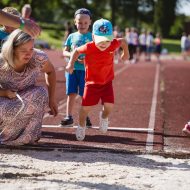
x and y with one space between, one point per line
172 45
53 37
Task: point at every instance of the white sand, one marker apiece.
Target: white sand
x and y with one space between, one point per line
24 169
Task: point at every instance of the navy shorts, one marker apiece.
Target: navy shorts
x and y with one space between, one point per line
75 82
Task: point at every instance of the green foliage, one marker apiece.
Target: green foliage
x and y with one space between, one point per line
53 37
124 13
178 26
51 26
164 16
173 46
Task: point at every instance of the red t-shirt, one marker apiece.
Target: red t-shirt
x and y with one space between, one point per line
98 64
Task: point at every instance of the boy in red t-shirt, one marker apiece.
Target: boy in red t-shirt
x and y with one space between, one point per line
99 73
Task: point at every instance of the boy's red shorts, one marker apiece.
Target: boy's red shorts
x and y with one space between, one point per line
94 92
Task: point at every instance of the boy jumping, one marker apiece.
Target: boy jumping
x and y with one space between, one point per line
99 73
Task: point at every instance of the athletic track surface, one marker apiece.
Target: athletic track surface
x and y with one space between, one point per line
152 104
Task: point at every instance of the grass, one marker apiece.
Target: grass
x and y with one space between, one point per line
55 38
172 45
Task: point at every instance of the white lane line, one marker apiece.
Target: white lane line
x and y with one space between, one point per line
60 68
152 117
109 128
63 103
121 70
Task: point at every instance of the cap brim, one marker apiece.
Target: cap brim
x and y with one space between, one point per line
99 39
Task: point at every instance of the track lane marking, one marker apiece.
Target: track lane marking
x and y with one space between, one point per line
152 117
97 127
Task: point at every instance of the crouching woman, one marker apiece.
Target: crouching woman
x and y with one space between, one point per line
22 102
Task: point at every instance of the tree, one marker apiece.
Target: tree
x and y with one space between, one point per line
164 16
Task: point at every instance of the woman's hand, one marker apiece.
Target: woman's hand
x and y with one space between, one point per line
53 108
10 94
31 28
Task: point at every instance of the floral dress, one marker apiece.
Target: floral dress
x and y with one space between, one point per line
22 126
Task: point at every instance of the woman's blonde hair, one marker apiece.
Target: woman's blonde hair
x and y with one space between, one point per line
15 39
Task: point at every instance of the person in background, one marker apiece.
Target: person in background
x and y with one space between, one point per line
185 45
117 34
99 68
158 46
128 38
22 102
26 25
75 81
183 42
6 30
142 44
68 31
135 42
26 11
149 45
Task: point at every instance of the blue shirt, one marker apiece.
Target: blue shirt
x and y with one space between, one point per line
75 40
3 37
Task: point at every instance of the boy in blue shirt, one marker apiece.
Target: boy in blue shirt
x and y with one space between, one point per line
75 82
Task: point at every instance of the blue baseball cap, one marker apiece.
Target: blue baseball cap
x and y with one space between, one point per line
102 30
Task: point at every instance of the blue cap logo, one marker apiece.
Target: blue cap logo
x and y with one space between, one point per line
102 30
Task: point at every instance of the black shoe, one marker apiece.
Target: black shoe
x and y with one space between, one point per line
88 122
68 120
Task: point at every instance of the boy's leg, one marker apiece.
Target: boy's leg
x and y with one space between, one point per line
70 104
68 120
71 91
107 102
84 110
80 132
107 109
81 79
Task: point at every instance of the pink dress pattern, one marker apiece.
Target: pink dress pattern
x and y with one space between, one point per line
25 128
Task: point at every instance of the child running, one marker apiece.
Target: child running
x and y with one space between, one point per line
99 67
75 81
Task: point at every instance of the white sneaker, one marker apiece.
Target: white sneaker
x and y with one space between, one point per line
80 133
186 129
103 124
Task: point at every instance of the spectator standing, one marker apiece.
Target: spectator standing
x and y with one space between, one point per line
128 38
158 46
117 34
135 42
142 44
149 45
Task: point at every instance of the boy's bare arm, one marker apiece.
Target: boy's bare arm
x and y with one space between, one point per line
70 66
124 46
66 52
